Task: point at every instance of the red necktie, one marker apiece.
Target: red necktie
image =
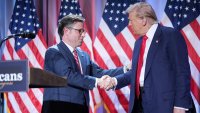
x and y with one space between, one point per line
140 63
76 58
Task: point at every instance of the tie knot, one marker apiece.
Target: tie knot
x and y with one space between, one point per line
75 52
145 37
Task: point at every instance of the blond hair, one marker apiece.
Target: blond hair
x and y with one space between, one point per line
142 10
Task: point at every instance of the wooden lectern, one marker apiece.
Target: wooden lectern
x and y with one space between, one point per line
42 79
17 76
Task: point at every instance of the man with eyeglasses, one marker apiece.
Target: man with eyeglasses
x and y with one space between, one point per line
66 60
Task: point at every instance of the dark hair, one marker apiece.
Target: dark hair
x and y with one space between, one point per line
68 21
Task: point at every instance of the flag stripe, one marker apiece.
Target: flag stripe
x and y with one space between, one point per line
124 46
20 102
197 106
101 56
130 39
195 74
126 92
35 100
109 49
37 58
27 53
108 101
91 96
192 53
99 59
12 103
10 50
28 102
116 101
116 48
40 42
192 38
195 26
195 91
124 102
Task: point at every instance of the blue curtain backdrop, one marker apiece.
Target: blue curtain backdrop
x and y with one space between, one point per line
6 7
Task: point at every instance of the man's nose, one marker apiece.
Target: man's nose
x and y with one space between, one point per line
83 34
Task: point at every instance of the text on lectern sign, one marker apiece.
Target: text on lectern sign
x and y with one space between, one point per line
14 75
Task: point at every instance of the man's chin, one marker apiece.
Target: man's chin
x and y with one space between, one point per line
80 44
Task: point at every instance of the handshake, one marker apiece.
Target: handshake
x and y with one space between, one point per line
106 82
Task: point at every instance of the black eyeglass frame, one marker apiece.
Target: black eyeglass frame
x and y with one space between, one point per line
79 30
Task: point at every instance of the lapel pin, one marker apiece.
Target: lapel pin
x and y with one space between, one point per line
156 41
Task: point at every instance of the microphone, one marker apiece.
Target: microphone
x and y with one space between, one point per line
24 35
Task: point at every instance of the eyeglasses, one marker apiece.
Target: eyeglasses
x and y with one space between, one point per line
79 30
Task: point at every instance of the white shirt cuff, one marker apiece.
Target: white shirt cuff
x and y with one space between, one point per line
181 108
125 69
115 82
97 80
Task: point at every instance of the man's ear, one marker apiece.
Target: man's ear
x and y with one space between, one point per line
66 30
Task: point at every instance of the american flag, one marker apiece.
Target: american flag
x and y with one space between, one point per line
184 15
67 7
72 7
24 19
113 47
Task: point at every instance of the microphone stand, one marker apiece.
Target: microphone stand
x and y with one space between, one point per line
2 94
4 39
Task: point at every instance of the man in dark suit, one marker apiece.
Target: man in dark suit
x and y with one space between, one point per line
162 70
66 60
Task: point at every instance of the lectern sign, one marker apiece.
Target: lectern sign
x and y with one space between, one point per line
14 75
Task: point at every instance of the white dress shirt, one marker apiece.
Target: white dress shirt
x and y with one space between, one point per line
71 50
150 35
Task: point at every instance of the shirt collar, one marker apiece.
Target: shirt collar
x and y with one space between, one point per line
151 31
70 47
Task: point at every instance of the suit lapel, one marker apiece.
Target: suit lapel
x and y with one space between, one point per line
136 53
67 53
152 50
135 57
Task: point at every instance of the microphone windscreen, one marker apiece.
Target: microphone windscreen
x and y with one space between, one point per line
29 35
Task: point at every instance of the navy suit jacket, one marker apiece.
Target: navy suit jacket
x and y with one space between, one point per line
60 60
167 73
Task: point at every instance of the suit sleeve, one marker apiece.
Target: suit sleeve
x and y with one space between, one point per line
94 70
55 62
99 72
123 79
179 59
